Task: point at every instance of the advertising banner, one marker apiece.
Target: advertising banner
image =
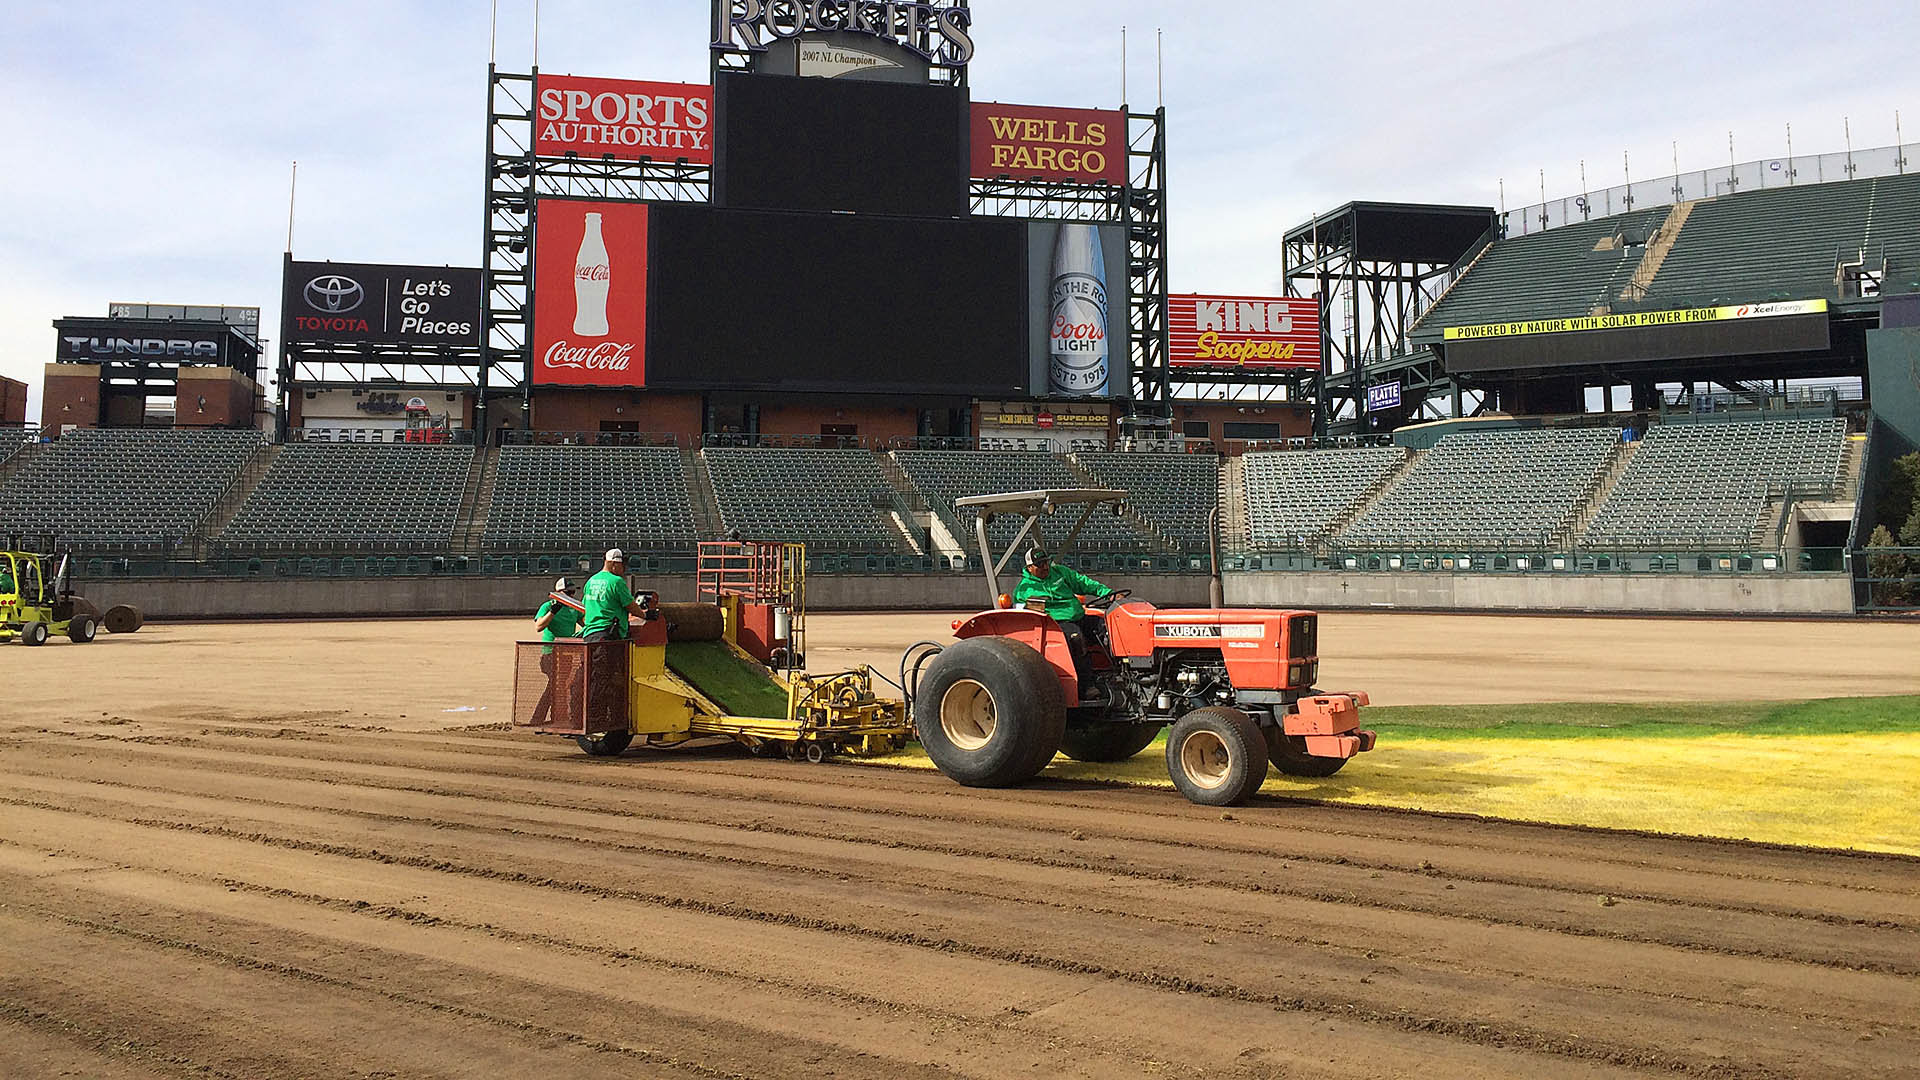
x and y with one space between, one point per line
95 341
1024 142
377 304
590 293
1077 308
630 120
1258 332
1636 319
1382 396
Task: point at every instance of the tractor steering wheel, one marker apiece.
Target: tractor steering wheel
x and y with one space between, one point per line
1108 601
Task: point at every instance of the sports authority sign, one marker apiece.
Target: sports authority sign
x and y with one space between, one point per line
377 304
596 118
590 293
1261 332
1086 146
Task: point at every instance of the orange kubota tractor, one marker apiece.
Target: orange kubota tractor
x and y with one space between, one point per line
1236 684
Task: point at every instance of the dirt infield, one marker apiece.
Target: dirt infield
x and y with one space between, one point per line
259 852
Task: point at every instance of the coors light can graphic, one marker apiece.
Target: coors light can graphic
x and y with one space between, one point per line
1077 308
592 281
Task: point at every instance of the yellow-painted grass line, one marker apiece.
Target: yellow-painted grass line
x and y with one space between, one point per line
1838 791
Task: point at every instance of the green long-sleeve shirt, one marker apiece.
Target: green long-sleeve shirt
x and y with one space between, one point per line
1060 588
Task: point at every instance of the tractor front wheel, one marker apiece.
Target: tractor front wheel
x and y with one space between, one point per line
1217 756
1107 742
82 629
1289 754
33 633
990 712
611 744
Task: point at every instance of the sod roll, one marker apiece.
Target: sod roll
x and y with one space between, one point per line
694 622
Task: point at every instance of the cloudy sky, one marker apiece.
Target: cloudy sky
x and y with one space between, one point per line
150 143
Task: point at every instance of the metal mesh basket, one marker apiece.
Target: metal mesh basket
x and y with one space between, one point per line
577 689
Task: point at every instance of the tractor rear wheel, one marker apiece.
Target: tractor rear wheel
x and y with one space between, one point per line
1217 756
1289 754
82 629
611 744
990 712
1107 742
33 633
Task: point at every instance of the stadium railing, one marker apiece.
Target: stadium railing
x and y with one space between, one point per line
1666 190
323 433
1887 580
509 437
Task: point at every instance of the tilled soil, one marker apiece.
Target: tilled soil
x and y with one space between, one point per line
254 900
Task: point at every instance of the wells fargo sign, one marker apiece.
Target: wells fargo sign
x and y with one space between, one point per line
1243 331
1636 318
1026 142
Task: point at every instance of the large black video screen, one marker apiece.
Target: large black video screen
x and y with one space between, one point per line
786 143
752 300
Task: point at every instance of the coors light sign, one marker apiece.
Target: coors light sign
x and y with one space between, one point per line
1077 306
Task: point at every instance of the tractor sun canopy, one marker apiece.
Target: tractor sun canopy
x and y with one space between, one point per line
1031 505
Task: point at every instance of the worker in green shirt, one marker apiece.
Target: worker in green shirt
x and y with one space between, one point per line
609 601
1049 587
553 620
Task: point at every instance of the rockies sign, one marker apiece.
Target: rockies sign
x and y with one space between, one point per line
366 304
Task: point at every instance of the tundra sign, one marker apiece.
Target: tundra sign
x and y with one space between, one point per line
369 304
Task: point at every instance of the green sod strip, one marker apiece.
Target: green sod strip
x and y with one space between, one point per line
1575 720
1570 720
741 687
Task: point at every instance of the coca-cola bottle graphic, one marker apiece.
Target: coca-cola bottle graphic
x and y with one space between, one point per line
1077 309
592 280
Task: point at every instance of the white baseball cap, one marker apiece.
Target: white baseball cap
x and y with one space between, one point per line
616 555
563 585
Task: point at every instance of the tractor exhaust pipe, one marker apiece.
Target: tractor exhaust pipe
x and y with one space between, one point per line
1216 592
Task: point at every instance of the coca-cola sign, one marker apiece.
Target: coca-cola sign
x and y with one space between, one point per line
620 118
937 33
599 356
1026 142
590 293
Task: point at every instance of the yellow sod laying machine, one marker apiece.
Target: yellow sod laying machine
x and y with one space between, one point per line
731 665
1233 688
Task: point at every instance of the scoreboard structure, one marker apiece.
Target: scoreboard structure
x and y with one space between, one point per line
834 213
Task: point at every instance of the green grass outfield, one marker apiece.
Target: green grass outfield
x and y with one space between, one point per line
1829 716
1840 773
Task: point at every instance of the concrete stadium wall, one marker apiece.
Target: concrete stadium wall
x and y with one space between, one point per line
1796 594
259 598
1786 594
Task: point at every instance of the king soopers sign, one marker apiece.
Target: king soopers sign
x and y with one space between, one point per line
936 34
